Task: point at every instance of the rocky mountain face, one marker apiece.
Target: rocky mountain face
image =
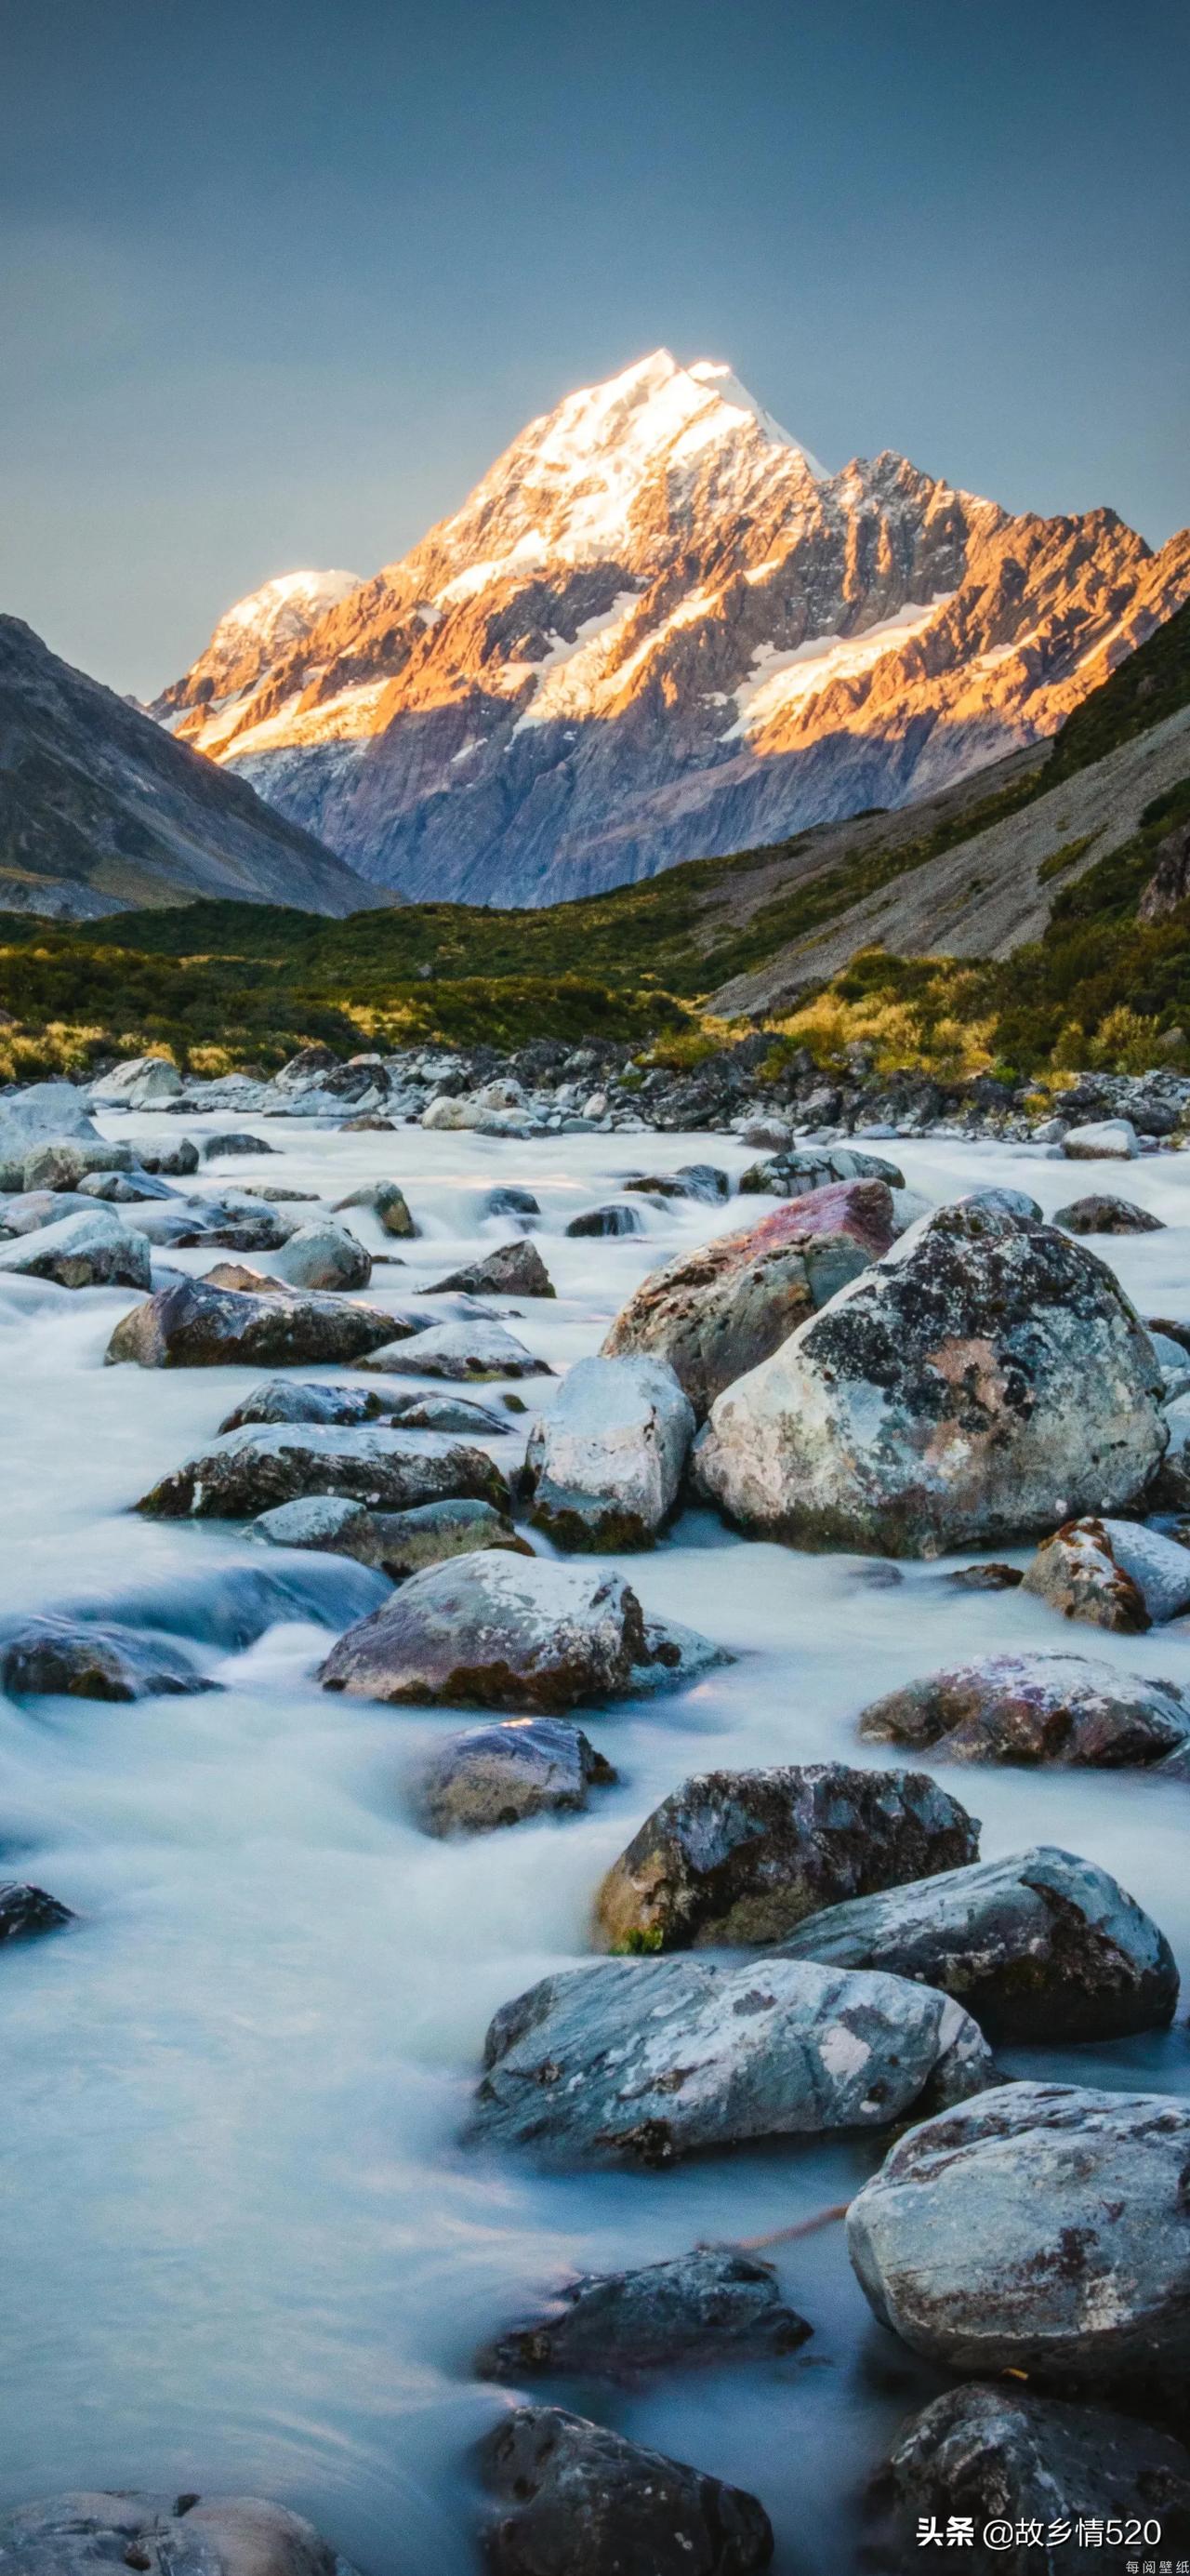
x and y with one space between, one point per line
100 810
658 630
250 640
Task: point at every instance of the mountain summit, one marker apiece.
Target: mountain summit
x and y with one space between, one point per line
660 629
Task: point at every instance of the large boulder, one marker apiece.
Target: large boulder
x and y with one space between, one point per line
170 1157
253 1469
1116 1574
577 2500
497 1631
711 2306
399 1543
188 2535
717 1312
604 1466
1041 1946
1034 1708
505 1773
143 1082
64 1162
1032 2467
512 1270
989 1379
474 1349
645 2060
323 1255
796 1169
741 1856
194 1325
1041 2229
55 1655
91 1251
27 1911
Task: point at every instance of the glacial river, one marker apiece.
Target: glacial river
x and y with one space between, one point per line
242 2249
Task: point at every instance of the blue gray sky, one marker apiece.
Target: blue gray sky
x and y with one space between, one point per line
277 282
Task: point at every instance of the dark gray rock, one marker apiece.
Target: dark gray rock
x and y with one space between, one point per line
446 1413
505 1632
999 2455
607 1220
578 2500
708 2307
387 1203
1103 1214
282 1400
502 1774
54 1655
742 1856
196 1326
124 1189
173 1157
645 2060
511 1202
1034 1708
512 1270
401 1543
988 1380
255 1468
234 1141
705 1181
1042 2228
26 1911
1041 1946
604 1466
186 2535
233 1221
322 1255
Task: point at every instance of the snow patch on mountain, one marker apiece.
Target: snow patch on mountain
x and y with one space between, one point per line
781 680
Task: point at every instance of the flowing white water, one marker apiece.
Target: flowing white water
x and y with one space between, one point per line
241 2246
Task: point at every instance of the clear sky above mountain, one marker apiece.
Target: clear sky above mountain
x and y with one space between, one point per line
277 283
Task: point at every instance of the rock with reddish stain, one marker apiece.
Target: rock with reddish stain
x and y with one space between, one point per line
1116 1574
1034 1708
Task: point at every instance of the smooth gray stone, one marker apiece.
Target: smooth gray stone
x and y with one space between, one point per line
257 1467
186 2535
53 1655
504 1774
708 2307
604 1466
92 1251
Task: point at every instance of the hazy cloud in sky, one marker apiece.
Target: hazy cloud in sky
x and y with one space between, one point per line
276 284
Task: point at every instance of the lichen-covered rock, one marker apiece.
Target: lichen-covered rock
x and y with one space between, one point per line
387 1203
987 1380
91 1251
1103 1214
645 2060
1104 1140
578 2500
188 2535
323 1255
1006 1203
795 1169
194 1325
1034 1708
286 1400
53 1656
1042 2228
27 1911
1116 1574
741 1856
1000 2456
64 1162
1041 1946
512 1270
711 2306
400 1544
498 1631
257 1467
473 1349
604 1466
717 1312
607 1220
505 1773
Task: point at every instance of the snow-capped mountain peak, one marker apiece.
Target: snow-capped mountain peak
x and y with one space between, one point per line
655 630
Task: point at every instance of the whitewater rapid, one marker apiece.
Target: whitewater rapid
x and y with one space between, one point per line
240 2245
